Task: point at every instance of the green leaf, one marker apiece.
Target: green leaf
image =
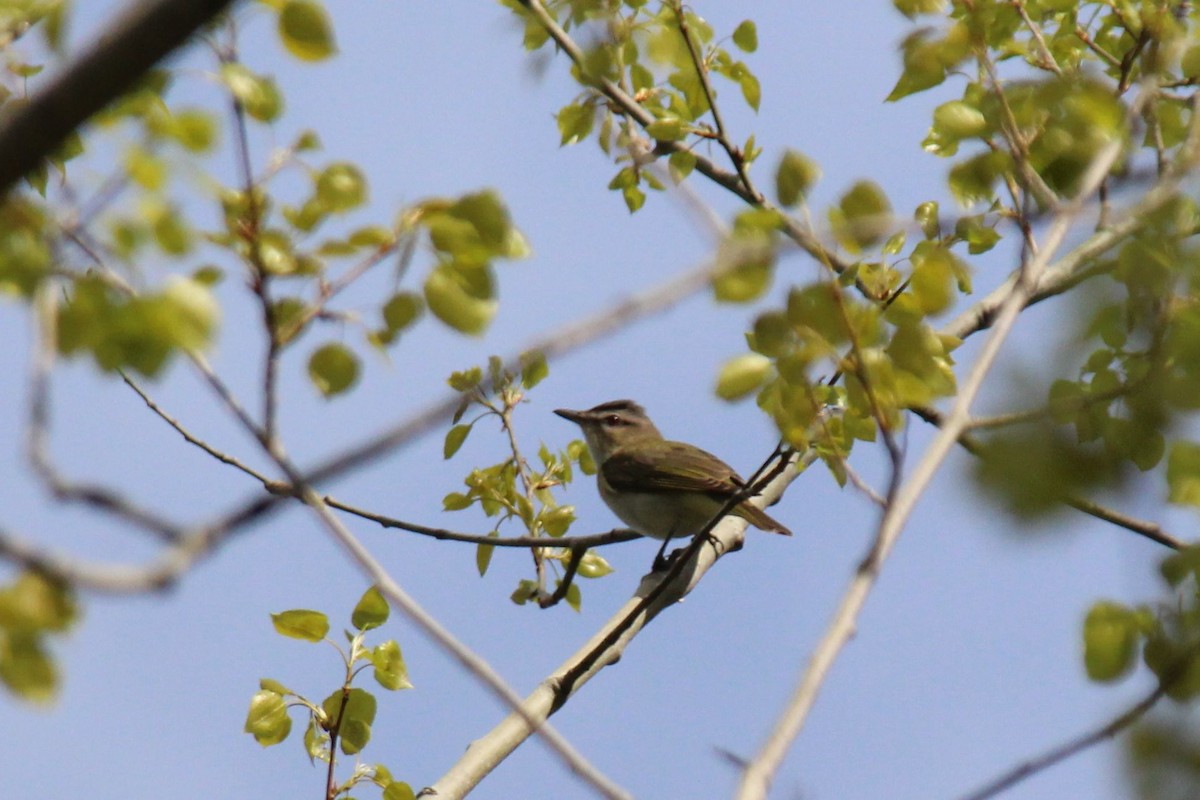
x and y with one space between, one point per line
863 216
574 597
483 555
194 129
593 565
796 175
465 380
1110 638
25 666
462 298
682 163
1183 474
575 122
341 187
745 36
911 8
333 369
355 734
742 375
752 91
456 501
306 31
268 721
926 215
390 670
634 198
979 236
402 310
526 590
171 231
258 95
272 685
668 129
931 283
35 603
556 520
371 611
959 120
533 368
352 712
398 790
454 440
311 626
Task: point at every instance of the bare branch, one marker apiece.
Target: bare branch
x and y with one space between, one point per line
1150 530
1068 749
190 438
136 40
592 540
37 442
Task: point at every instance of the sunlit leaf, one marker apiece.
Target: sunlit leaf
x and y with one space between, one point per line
311 626
306 30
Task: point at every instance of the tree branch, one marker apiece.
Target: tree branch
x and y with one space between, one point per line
1068 749
1151 530
136 40
656 592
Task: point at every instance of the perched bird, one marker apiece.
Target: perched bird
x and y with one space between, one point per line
660 488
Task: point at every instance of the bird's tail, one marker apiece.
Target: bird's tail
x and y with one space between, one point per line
760 519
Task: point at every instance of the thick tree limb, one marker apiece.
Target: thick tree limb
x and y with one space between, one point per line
135 41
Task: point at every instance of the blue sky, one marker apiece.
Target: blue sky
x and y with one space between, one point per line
967 657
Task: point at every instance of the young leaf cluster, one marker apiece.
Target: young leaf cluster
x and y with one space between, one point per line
657 55
514 490
342 721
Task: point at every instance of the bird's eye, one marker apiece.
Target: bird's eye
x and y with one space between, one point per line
612 419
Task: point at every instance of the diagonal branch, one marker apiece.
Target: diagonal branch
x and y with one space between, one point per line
138 39
657 592
1150 530
1068 749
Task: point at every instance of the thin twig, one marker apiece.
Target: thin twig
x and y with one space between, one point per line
591 540
191 438
37 437
735 156
1047 58
1150 530
1068 749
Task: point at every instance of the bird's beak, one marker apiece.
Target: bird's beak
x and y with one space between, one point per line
575 416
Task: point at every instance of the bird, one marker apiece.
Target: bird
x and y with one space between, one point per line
660 488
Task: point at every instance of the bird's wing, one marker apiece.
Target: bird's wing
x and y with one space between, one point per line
670 467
